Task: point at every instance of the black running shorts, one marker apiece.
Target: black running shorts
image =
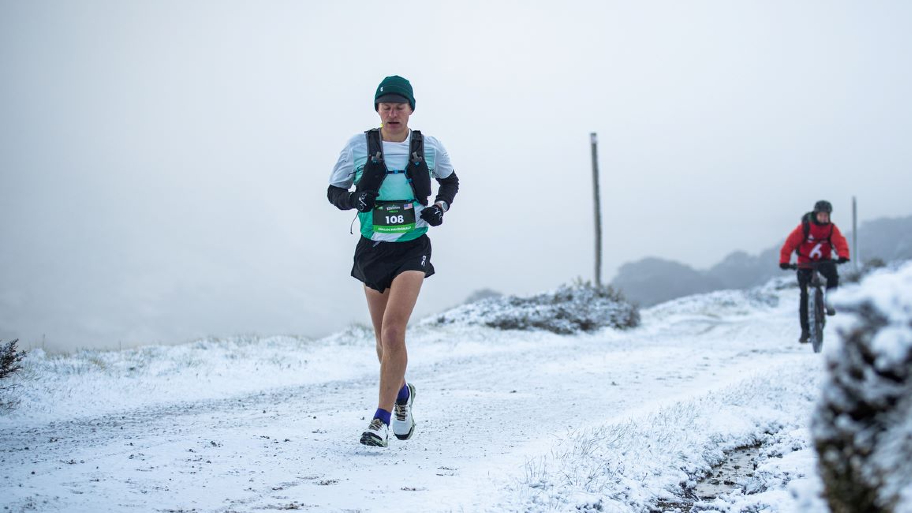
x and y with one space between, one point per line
378 263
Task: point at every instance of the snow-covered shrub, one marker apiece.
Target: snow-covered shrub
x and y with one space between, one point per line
862 425
10 359
567 310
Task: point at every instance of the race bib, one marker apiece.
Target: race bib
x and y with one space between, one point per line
394 217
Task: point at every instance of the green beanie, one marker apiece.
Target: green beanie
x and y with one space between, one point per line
394 89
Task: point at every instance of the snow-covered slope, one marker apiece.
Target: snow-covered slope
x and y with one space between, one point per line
508 420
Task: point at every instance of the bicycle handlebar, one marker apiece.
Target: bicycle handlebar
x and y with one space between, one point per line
815 264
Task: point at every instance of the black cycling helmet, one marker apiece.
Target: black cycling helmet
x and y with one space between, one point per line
823 206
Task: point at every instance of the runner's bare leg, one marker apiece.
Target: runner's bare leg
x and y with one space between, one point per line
393 308
376 305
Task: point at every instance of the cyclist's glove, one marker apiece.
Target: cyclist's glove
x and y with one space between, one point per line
842 260
363 201
433 215
784 266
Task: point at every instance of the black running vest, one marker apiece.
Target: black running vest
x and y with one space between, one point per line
375 171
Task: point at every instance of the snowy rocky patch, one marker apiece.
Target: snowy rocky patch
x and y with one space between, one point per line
863 422
568 310
655 462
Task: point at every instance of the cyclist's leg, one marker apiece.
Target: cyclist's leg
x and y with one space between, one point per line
828 271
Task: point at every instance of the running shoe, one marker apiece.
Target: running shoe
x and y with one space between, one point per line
376 434
403 422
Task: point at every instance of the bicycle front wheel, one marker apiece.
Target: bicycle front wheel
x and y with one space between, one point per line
818 319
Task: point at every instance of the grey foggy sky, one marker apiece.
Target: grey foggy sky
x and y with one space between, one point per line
163 165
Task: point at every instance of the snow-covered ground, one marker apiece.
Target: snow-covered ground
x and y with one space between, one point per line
508 421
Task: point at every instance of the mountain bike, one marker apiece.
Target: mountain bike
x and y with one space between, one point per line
816 301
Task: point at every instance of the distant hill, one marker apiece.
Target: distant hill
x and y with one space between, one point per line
653 280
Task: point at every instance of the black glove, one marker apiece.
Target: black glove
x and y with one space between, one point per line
842 260
784 266
433 215
363 201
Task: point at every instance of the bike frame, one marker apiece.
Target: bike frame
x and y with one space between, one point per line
816 301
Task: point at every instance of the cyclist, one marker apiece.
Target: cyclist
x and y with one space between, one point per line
815 239
392 169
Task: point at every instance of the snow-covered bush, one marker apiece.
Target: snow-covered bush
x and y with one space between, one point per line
10 359
569 309
862 426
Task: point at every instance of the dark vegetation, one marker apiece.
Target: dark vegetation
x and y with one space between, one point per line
861 424
10 360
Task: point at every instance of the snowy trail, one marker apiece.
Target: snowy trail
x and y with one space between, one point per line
488 403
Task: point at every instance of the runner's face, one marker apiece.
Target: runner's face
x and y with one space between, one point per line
823 217
394 116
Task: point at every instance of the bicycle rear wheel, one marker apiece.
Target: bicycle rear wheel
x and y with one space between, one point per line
817 311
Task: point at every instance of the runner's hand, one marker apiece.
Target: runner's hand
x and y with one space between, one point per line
433 215
784 266
363 201
842 260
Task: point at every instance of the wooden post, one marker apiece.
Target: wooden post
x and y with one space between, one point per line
593 139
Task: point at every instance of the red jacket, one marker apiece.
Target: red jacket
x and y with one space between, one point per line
822 240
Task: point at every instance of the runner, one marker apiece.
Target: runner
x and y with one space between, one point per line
391 168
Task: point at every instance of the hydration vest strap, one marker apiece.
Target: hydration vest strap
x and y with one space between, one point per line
417 171
375 168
